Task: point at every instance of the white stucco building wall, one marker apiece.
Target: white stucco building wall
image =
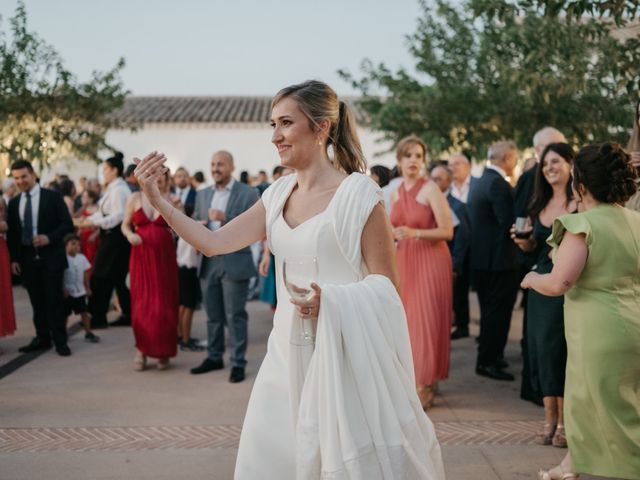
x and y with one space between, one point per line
191 146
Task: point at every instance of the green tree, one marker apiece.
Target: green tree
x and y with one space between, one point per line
46 115
483 78
619 10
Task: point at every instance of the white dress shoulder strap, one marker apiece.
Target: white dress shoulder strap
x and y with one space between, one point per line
274 198
351 209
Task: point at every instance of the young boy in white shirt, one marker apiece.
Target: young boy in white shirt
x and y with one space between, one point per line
76 285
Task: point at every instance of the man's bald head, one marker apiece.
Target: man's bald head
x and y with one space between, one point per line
224 155
222 167
504 154
544 137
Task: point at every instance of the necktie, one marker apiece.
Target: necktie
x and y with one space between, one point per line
27 222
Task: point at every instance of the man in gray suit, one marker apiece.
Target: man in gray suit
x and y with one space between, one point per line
225 277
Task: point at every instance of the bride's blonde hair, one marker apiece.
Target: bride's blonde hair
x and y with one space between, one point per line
318 101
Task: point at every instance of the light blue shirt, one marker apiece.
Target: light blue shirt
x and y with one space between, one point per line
220 201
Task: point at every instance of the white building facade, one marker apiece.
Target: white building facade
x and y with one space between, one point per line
190 129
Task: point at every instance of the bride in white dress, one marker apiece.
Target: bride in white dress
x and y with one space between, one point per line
346 407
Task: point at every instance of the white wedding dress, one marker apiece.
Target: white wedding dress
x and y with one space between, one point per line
269 442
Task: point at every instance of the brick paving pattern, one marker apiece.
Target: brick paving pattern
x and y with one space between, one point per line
124 439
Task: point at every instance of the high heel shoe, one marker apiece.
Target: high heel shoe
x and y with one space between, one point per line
425 394
139 362
545 475
546 436
559 439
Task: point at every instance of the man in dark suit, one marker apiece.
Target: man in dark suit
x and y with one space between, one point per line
38 221
462 182
460 250
494 258
225 277
462 186
184 190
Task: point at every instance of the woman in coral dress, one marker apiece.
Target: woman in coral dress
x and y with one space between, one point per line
7 315
422 226
153 273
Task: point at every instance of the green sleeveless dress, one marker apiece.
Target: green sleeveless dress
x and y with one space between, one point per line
602 328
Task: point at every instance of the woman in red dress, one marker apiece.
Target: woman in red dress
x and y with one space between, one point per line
90 236
7 314
422 226
153 273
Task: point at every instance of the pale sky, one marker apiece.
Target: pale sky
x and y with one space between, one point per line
214 47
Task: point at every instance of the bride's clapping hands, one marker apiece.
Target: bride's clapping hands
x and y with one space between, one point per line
148 171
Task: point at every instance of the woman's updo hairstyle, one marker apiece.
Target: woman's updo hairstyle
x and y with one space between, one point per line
116 162
605 170
318 101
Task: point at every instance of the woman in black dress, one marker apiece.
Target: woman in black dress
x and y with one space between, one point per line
547 348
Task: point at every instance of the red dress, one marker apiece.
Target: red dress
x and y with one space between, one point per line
7 314
426 288
153 271
89 249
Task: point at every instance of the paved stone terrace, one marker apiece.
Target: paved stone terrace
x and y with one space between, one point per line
91 416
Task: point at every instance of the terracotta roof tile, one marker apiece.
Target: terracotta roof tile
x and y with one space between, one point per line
204 110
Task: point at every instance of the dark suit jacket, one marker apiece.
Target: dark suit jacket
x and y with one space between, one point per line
238 265
54 221
461 241
190 203
473 182
492 214
524 192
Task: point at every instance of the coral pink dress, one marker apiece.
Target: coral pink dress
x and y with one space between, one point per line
7 314
153 271
426 288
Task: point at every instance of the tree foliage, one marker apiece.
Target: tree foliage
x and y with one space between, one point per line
619 10
482 78
46 115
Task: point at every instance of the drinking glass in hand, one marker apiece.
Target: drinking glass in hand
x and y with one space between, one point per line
299 273
523 227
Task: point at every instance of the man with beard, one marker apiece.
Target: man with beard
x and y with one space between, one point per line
225 277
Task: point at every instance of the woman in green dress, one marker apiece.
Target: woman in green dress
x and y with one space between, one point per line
546 345
597 268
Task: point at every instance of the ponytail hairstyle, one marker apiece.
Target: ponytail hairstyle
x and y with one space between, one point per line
606 172
116 162
634 141
318 101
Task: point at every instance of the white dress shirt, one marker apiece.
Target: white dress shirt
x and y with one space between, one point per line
461 193
35 207
220 201
183 193
111 206
186 255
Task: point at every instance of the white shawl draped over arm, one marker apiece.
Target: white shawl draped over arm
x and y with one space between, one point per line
354 402
359 416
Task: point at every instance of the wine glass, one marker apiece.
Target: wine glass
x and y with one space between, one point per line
523 227
299 273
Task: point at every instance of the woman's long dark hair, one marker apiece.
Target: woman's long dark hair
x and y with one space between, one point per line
542 191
